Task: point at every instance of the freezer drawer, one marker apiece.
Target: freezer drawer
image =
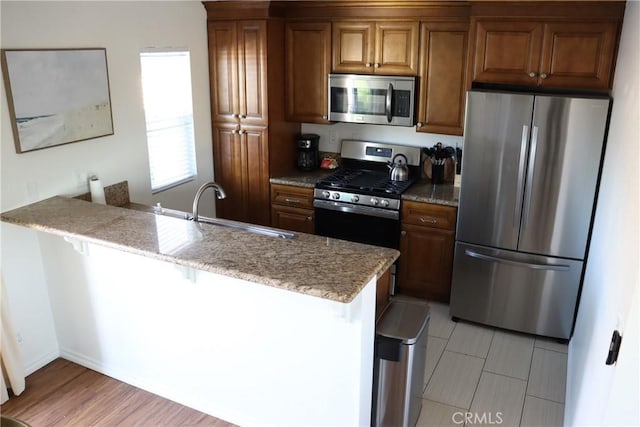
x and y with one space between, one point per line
527 293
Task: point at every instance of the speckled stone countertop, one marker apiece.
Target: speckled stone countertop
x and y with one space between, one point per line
291 264
426 192
421 191
301 179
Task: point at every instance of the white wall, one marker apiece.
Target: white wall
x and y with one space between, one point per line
247 353
332 135
598 394
123 28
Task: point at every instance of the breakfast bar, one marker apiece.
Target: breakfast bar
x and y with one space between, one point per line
242 326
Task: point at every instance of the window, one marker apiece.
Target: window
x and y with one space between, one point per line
166 89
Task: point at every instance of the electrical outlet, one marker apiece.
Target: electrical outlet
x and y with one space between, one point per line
333 137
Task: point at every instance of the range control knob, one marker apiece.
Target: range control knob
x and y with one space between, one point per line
374 201
326 194
355 199
336 196
384 203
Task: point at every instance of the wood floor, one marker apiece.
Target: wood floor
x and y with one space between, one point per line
66 394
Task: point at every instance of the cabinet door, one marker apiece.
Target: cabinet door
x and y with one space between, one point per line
308 63
426 262
578 54
507 52
443 67
227 157
255 159
241 166
353 47
294 219
252 72
396 48
223 70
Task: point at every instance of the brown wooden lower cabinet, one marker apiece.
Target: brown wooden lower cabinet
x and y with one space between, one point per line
426 255
383 288
292 208
242 169
294 219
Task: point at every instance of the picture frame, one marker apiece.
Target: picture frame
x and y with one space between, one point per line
57 96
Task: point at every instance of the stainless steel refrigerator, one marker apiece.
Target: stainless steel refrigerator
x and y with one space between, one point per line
527 196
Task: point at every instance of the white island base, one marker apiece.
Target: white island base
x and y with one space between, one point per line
244 352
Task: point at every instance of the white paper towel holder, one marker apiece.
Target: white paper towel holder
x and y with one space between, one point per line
97 190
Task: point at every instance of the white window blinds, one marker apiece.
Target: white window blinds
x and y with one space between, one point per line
166 88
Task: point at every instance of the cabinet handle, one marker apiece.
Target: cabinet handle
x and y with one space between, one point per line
294 201
235 116
403 233
233 132
324 117
532 74
419 124
428 220
241 131
309 218
543 76
368 64
376 65
243 116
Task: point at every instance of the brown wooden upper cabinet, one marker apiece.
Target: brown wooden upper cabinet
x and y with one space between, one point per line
548 54
443 77
308 64
238 74
384 47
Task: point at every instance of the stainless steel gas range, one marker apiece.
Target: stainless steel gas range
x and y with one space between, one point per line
359 201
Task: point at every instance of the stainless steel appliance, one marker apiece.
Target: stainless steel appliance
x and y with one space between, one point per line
360 201
308 154
380 100
399 363
527 198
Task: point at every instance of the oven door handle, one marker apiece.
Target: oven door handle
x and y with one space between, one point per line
356 209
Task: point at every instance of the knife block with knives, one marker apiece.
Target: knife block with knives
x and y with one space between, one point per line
439 164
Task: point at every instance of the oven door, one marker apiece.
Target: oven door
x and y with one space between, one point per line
363 224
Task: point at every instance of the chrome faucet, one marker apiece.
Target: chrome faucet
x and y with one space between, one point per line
220 194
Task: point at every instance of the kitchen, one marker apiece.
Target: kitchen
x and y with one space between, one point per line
30 177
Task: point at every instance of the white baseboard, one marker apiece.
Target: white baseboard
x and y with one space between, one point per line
40 362
151 386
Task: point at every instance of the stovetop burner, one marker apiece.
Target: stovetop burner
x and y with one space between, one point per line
364 181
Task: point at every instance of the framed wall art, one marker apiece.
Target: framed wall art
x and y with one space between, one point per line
57 96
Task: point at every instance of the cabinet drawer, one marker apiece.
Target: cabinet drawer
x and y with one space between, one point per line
429 215
287 195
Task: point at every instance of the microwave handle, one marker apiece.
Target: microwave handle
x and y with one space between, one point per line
387 106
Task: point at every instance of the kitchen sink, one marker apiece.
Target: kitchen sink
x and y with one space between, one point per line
256 229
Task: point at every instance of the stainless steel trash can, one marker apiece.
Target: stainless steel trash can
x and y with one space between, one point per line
400 352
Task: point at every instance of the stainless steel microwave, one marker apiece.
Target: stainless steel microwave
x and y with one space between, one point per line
380 100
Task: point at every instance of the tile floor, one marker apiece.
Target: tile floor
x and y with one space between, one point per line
492 375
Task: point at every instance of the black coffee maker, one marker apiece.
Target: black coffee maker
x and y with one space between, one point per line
308 154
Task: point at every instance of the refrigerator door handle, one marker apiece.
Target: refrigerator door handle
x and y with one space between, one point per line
523 152
534 266
530 170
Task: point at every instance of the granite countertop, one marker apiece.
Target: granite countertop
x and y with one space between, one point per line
301 179
290 264
426 192
421 191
